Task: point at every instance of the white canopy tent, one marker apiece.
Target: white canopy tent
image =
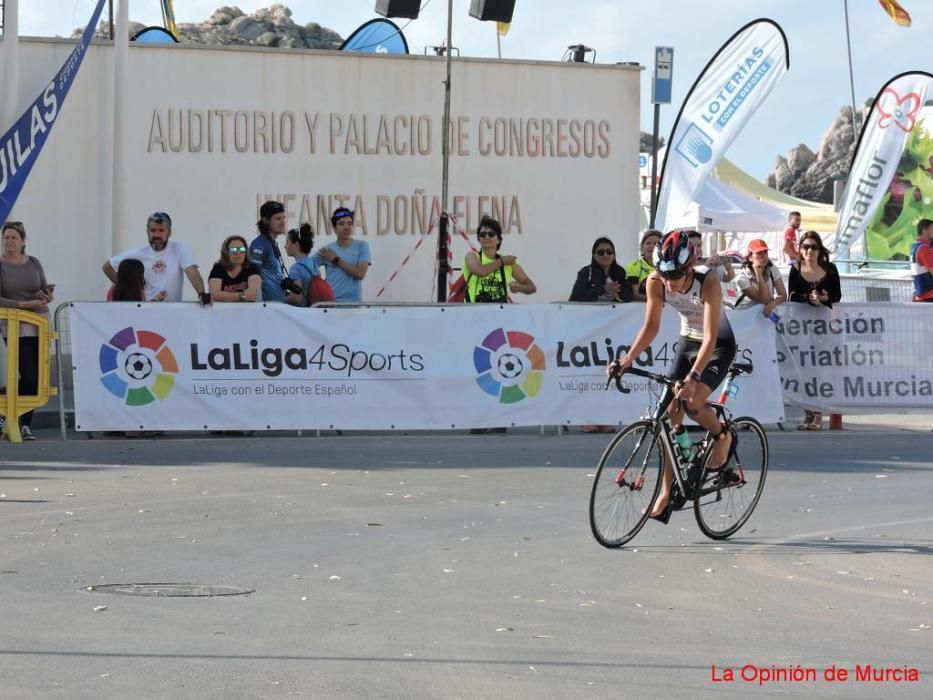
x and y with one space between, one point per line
721 207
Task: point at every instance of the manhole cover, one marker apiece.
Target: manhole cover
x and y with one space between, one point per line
170 590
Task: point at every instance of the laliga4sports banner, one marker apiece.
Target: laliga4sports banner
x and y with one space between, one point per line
735 81
256 367
21 144
890 182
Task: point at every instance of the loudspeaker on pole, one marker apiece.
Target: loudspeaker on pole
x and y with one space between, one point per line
492 10
398 8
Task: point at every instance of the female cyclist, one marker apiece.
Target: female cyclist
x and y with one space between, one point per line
704 352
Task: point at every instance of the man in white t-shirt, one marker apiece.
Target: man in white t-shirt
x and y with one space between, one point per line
165 261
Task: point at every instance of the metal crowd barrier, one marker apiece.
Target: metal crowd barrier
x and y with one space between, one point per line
12 405
63 366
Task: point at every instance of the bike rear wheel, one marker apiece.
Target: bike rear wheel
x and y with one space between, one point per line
727 497
628 478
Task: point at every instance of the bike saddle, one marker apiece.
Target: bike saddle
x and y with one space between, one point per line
741 368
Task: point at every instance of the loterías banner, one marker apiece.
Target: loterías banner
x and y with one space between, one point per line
736 80
890 184
21 144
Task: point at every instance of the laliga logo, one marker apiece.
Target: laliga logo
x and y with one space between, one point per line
128 364
897 110
509 365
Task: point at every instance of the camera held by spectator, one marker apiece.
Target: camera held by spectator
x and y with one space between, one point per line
290 285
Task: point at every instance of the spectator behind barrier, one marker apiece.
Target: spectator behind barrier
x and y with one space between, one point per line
639 269
721 267
489 277
264 252
921 261
759 280
165 260
347 260
298 244
603 279
789 250
813 280
234 277
131 282
23 286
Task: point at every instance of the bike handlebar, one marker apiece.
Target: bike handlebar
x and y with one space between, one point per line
617 376
734 370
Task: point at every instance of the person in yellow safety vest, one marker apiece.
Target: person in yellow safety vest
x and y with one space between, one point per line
639 269
489 276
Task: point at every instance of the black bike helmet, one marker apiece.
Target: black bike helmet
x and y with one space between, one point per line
674 254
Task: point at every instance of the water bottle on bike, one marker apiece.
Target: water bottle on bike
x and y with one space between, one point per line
683 442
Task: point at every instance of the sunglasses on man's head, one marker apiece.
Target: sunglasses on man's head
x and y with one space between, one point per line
809 246
236 249
605 251
486 234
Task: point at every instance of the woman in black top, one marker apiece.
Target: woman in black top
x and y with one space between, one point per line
603 279
813 280
234 277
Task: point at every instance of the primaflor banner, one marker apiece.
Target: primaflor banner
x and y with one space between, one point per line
246 367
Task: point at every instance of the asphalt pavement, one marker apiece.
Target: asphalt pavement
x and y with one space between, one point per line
455 566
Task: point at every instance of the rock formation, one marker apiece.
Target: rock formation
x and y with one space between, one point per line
271 26
808 175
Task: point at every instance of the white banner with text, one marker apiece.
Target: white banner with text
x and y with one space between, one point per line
245 367
856 358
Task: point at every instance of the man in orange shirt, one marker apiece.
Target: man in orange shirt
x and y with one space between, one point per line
789 250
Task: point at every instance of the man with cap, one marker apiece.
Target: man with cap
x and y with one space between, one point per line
264 252
346 260
164 261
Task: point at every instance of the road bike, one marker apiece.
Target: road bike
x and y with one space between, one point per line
628 476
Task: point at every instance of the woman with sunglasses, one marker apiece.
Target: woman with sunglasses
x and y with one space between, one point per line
813 280
489 276
759 281
705 349
602 280
234 277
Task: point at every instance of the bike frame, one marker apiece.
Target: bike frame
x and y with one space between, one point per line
664 430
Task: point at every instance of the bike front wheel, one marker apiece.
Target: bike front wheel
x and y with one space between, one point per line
726 498
627 481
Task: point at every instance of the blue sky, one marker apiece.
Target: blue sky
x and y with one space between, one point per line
799 110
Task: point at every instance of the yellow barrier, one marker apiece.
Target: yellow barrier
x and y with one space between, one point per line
12 405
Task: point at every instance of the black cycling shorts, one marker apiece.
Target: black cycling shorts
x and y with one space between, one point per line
719 363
